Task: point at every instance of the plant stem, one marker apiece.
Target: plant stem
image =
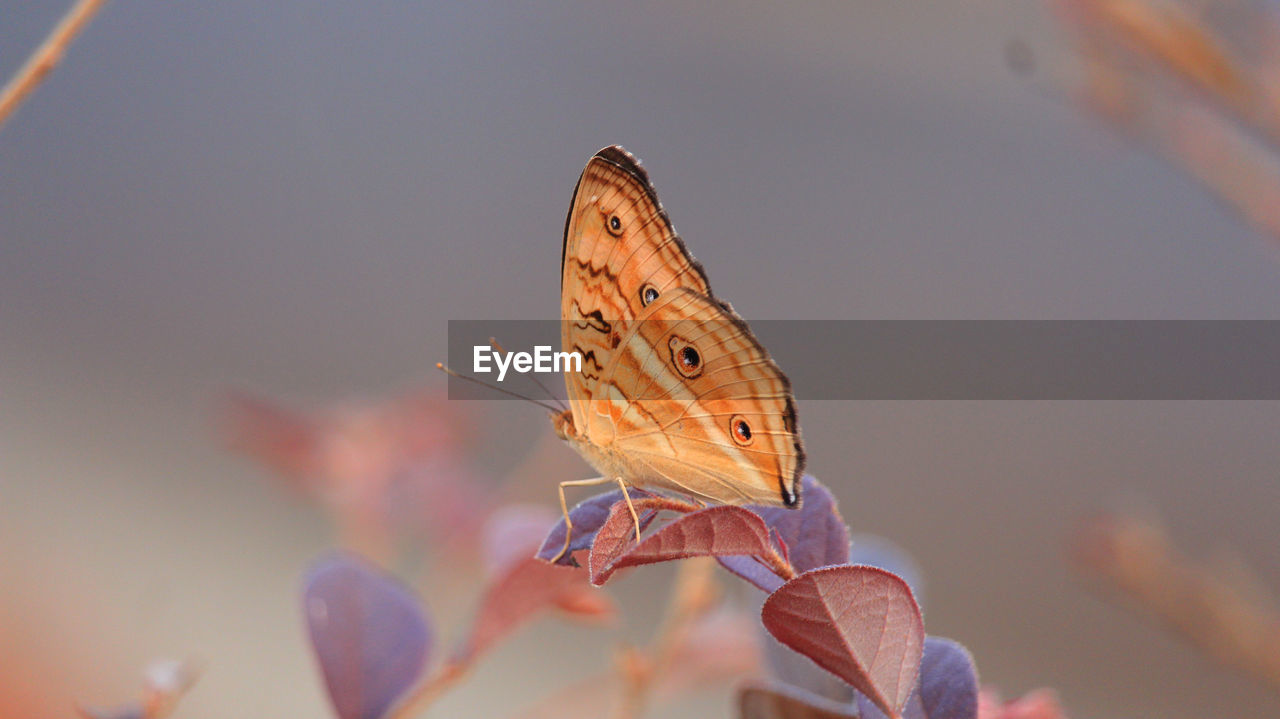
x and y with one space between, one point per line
693 593
430 690
46 57
779 565
1225 614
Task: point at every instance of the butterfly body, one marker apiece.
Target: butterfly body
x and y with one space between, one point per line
605 460
675 392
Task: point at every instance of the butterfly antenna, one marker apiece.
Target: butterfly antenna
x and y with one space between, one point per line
552 395
443 368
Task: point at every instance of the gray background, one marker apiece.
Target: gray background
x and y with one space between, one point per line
295 197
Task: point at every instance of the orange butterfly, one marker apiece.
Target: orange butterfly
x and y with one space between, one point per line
675 392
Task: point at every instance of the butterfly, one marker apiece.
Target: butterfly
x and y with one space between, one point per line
675 392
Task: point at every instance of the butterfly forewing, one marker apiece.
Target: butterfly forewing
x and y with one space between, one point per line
620 253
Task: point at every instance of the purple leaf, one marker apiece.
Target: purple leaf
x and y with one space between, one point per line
815 535
876 551
750 569
588 517
948 680
859 623
775 700
369 633
524 589
947 687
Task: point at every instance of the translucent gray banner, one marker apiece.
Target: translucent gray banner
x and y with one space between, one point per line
928 359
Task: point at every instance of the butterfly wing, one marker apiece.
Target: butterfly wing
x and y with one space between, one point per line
692 402
619 249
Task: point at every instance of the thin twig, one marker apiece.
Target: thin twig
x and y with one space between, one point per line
1181 44
694 592
46 57
1226 617
426 693
779 565
1217 120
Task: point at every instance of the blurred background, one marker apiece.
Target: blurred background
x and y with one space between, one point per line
292 199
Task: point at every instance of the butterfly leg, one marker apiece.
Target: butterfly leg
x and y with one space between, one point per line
625 495
564 508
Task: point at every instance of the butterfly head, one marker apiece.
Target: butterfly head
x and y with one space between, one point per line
562 422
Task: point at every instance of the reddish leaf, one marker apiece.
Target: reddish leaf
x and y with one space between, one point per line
780 701
815 535
617 533
588 517
715 531
947 687
799 671
1038 704
859 623
286 441
369 634
585 603
527 587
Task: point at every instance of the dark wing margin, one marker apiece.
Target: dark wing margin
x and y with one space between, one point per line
617 156
568 220
628 163
790 495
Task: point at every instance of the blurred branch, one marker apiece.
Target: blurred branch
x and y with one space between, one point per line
1202 95
1226 614
1171 39
694 593
1174 39
698 643
425 694
46 57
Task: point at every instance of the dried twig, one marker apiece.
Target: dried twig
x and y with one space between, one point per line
46 57
1223 613
1163 73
